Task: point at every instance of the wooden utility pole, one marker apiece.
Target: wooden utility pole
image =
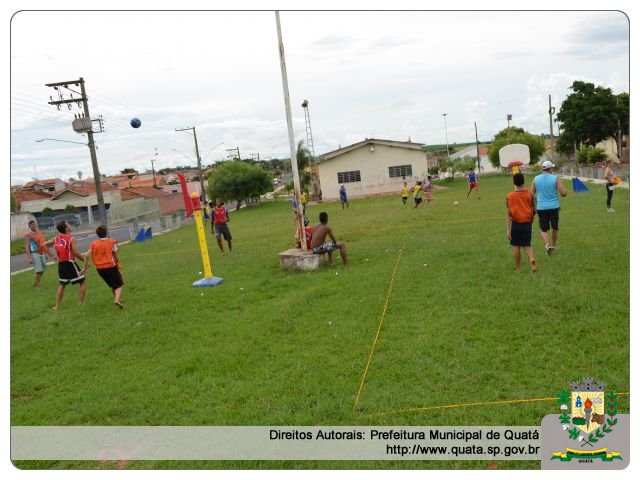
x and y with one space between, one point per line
153 171
89 131
195 139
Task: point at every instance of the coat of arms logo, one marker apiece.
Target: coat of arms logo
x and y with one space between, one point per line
588 414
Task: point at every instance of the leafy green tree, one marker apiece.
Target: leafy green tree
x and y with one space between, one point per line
236 180
590 114
15 206
622 101
70 208
47 211
512 135
128 170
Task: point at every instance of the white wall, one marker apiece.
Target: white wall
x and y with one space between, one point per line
374 170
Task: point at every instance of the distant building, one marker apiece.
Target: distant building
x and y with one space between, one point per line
485 163
371 167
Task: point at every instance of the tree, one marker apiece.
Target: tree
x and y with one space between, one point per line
238 181
128 170
591 155
513 135
622 101
15 206
590 114
70 208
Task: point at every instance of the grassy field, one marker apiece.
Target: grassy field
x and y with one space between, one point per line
268 347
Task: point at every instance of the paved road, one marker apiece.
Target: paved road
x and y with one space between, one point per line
83 239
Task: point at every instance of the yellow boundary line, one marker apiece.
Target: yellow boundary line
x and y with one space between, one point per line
375 341
461 405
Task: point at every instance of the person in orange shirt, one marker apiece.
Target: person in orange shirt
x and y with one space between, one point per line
521 208
37 253
104 252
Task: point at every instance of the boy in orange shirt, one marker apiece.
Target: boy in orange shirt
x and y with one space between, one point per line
104 252
521 208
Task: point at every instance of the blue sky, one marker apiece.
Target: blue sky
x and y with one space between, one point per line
365 73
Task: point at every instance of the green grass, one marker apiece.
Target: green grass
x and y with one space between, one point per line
269 347
17 247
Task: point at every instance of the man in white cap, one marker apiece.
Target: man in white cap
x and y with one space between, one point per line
546 187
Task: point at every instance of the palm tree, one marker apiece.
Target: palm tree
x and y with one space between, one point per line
303 158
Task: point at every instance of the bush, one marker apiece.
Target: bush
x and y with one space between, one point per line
591 155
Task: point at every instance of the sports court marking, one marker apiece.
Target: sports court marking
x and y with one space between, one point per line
475 404
375 340
435 407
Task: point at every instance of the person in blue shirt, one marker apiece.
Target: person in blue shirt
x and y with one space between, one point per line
343 197
548 190
472 180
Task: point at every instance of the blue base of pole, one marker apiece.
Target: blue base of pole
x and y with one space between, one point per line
208 282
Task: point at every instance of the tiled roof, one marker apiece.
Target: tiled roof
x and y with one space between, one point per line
27 195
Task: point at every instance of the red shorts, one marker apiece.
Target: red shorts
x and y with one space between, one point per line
473 185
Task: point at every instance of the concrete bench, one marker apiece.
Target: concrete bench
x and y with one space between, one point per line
298 259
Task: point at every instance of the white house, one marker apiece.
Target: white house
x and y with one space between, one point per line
371 167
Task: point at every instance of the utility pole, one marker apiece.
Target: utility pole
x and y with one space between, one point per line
552 111
155 185
195 139
477 146
86 128
237 153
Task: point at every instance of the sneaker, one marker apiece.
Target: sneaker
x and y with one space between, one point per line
610 210
547 249
551 249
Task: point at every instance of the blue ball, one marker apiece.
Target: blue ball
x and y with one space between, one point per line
135 122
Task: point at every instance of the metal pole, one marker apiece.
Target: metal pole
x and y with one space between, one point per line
477 146
446 136
94 159
552 110
292 143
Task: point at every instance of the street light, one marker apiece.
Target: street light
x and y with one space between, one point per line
211 150
183 154
56 140
446 136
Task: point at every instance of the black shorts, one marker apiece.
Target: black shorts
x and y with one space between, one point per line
418 200
111 277
222 230
69 273
521 234
549 217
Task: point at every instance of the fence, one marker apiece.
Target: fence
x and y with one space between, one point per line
161 224
594 172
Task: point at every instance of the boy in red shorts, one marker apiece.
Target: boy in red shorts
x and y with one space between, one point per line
104 252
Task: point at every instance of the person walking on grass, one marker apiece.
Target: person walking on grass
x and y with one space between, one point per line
521 208
548 188
318 236
343 196
427 186
417 194
219 225
472 181
37 253
104 252
69 272
404 193
609 183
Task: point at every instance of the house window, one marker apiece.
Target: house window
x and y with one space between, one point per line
348 177
400 171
